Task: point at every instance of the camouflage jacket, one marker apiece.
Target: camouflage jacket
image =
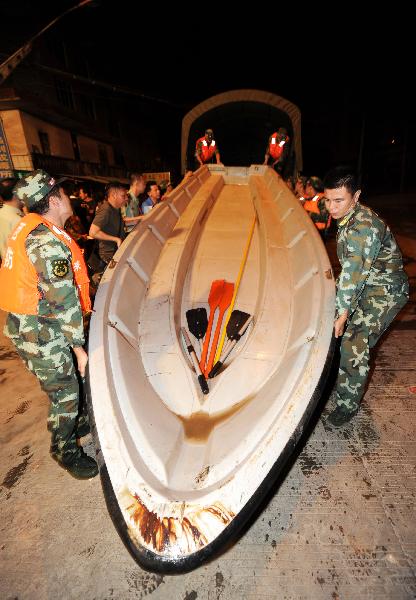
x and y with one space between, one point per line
59 303
369 256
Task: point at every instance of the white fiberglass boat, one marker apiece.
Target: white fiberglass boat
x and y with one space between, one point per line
182 471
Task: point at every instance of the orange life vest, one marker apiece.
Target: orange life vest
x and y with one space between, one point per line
207 150
275 148
18 276
311 206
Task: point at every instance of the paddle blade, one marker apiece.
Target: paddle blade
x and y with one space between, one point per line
216 292
223 303
235 322
197 320
214 299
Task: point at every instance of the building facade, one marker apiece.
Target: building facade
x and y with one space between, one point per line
71 124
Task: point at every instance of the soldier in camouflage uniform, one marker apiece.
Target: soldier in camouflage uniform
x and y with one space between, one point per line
47 335
371 289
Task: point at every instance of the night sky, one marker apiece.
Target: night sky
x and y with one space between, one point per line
336 68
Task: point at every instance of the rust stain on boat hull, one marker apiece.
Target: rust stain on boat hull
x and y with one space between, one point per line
170 534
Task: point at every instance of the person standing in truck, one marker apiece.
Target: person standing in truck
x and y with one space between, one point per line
207 150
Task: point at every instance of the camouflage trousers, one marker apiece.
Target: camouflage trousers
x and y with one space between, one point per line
46 353
377 308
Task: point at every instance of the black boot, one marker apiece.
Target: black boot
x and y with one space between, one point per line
81 467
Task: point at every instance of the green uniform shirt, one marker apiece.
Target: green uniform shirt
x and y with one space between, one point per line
59 305
369 256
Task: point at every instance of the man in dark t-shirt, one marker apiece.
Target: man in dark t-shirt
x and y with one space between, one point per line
108 225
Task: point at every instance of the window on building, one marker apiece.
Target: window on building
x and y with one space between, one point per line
64 93
44 143
102 153
86 106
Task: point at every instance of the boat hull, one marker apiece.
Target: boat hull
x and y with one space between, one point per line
181 472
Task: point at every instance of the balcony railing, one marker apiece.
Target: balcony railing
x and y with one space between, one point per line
57 165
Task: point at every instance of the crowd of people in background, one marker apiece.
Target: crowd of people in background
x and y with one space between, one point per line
102 215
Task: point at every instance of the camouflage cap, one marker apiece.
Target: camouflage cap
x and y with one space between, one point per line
35 186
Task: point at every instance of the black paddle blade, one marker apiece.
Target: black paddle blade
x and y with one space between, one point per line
197 322
215 369
237 320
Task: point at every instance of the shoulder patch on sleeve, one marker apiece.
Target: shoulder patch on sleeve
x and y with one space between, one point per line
60 267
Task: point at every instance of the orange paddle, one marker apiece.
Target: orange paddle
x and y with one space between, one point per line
214 299
223 303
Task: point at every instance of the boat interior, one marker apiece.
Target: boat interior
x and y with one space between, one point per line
154 418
